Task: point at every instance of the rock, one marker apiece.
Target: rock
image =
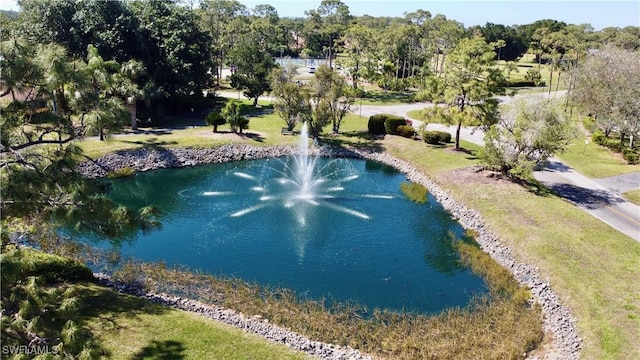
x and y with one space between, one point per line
557 318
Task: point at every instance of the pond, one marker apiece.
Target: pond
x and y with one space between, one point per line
342 230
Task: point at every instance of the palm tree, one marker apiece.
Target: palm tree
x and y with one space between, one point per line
129 89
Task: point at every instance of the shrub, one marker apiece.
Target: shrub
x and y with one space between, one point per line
598 138
521 83
631 156
392 122
406 131
444 136
431 137
414 192
125 172
435 137
376 124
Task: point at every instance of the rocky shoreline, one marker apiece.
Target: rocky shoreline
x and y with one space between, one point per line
557 318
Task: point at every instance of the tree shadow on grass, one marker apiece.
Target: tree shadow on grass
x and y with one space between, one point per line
105 306
161 350
252 136
151 143
354 139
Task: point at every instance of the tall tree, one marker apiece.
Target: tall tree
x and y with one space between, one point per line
38 176
329 22
607 86
253 66
224 20
360 45
471 81
290 99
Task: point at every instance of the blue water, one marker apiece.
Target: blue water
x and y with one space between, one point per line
360 241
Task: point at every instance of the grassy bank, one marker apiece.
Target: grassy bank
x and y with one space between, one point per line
593 160
116 325
633 196
566 243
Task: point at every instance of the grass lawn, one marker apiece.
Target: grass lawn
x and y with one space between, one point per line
566 243
593 268
133 328
595 161
633 196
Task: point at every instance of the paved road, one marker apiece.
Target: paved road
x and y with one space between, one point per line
599 197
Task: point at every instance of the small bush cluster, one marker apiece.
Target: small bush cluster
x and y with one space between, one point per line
376 124
125 172
522 83
601 139
406 131
631 156
414 192
381 124
392 123
436 137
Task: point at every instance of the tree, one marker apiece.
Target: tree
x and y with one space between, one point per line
38 309
290 100
224 20
129 86
253 66
607 87
176 53
471 81
360 45
512 46
231 114
38 176
215 119
528 133
328 24
335 92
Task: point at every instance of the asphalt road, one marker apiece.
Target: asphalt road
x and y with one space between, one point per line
599 197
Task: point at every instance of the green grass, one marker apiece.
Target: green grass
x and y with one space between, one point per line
566 243
633 196
133 328
595 161
128 327
264 130
380 97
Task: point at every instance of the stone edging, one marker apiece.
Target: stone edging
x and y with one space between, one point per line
253 324
557 318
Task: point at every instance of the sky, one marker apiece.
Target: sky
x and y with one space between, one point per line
599 14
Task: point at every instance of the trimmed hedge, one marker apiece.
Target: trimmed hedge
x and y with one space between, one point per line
406 131
376 124
631 156
392 122
522 83
435 137
430 137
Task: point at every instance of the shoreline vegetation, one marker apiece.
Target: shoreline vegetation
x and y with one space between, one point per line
509 302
